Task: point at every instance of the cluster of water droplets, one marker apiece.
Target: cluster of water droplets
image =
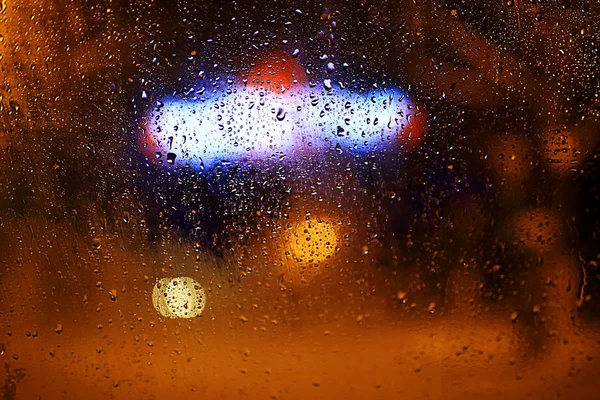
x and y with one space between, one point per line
248 123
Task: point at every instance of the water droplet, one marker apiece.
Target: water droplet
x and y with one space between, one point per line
295 53
330 67
327 84
281 114
401 295
171 158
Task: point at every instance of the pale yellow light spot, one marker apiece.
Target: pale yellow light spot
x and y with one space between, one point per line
180 297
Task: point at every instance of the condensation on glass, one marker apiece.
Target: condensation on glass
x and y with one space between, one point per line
293 199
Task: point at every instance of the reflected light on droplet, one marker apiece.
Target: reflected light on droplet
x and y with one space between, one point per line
180 297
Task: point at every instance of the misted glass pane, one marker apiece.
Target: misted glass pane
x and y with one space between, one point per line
295 199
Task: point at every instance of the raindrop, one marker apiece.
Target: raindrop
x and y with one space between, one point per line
281 114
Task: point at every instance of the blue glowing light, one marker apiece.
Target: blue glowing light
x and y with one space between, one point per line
247 124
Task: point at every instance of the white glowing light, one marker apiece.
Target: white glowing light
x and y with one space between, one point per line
249 124
180 297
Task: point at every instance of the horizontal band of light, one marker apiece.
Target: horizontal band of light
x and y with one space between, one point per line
250 124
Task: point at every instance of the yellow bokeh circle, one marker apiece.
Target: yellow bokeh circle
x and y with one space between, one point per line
180 297
313 241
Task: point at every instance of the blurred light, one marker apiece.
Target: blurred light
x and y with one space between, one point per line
540 230
313 241
254 125
180 297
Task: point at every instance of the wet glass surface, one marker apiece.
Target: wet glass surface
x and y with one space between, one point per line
299 200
